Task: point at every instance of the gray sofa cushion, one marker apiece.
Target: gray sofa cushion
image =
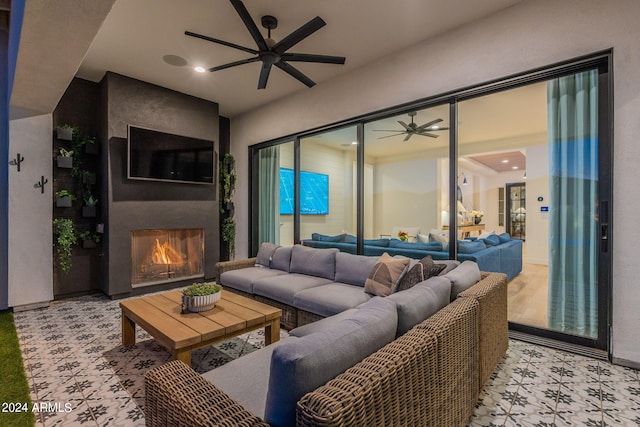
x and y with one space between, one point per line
450 265
421 301
264 254
304 364
281 258
462 278
314 262
282 288
243 278
250 388
329 299
353 269
322 324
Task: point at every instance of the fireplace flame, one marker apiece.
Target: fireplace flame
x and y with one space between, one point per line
165 254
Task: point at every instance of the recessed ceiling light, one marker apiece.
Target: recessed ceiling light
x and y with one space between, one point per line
354 143
435 127
514 167
505 161
199 69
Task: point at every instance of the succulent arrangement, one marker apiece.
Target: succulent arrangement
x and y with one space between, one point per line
201 289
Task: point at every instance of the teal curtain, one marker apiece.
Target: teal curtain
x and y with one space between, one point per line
269 195
573 180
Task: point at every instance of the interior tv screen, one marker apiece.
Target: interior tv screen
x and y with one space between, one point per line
161 156
314 192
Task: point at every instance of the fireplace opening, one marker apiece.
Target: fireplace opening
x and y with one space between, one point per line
161 256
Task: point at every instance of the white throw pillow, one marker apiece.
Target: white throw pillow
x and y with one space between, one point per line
441 236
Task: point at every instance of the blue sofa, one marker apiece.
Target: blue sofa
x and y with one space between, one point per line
499 254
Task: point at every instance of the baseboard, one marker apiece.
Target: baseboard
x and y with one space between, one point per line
626 363
33 306
560 345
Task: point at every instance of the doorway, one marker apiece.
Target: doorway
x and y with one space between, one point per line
517 210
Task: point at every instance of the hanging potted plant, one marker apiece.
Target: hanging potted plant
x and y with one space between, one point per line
89 208
201 296
64 132
89 239
65 230
65 159
90 145
64 199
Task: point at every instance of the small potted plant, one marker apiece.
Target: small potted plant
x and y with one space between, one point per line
403 235
201 296
89 208
64 199
89 239
90 145
65 159
64 132
477 216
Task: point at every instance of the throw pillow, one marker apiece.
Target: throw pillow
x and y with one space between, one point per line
441 236
263 259
420 272
504 237
385 275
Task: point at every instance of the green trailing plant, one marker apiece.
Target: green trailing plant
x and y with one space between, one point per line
65 193
228 186
66 232
201 289
89 235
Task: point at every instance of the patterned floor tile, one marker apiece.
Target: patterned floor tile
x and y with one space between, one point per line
73 355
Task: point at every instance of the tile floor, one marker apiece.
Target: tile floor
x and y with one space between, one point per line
77 366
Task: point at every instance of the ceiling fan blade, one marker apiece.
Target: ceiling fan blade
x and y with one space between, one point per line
389 136
251 26
233 64
264 75
298 35
222 42
431 123
406 138
304 57
430 135
387 130
295 73
404 125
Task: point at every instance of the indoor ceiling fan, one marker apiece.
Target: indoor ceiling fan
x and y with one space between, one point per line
413 129
271 52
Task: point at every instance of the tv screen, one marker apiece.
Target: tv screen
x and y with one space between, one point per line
161 156
314 192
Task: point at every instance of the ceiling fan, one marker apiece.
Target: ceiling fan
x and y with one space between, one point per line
271 52
413 129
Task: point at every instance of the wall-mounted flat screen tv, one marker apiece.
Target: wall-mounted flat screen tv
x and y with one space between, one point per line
161 156
314 192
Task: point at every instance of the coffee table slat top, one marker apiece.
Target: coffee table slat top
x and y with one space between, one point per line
164 328
161 316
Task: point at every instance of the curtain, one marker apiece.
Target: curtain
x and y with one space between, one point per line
269 195
573 179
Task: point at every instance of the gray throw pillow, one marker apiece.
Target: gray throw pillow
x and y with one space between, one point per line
263 259
462 278
420 272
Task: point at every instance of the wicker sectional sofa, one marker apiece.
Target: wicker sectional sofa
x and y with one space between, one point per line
429 375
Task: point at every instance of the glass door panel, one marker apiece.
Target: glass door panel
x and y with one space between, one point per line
406 181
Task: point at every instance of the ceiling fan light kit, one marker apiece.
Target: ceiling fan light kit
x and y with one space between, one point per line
269 51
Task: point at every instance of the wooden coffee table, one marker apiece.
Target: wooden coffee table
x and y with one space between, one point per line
160 315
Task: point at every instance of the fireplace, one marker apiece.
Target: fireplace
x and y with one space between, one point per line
162 256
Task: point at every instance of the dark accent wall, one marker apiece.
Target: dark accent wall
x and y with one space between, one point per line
138 205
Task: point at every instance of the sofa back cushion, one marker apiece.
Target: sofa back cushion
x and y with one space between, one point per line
491 240
313 262
281 258
300 366
429 246
504 237
353 269
377 242
463 277
263 259
325 238
468 247
421 301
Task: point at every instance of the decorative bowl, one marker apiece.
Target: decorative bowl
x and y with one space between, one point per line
201 303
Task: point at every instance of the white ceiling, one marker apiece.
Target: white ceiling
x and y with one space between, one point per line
136 35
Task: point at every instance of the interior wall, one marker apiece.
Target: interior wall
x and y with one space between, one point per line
526 36
30 271
537 184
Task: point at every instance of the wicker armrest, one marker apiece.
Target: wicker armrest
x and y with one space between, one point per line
223 266
395 385
175 395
